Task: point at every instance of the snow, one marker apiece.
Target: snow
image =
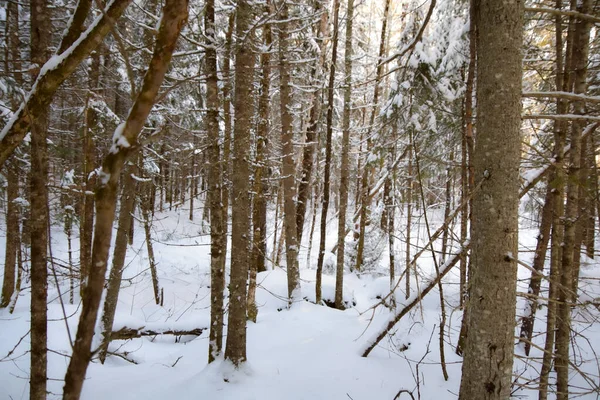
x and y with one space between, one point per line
306 351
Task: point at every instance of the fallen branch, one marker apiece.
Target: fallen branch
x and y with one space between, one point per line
126 333
414 300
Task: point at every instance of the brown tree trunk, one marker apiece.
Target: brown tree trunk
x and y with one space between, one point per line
12 64
259 209
565 297
489 348
289 167
329 133
38 179
174 17
118 261
563 82
345 162
308 152
365 198
215 182
409 200
539 260
235 349
90 129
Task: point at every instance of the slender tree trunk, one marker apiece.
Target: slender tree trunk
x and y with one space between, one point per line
565 298
289 167
563 82
308 153
12 64
365 198
538 266
226 161
345 162
259 209
147 216
217 236
118 260
592 193
90 129
447 207
12 232
174 17
38 178
409 200
489 348
235 349
327 172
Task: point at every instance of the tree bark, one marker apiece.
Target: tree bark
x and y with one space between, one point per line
125 142
539 260
489 348
565 297
259 209
13 64
39 218
235 350
118 261
215 183
328 144
345 161
289 167
308 153
365 198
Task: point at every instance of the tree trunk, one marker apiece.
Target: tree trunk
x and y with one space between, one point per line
289 167
308 153
259 209
118 261
563 82
489 348
565 298
13 242
215 183
174 17
365 198
409 200
39 218
345 161
539 260
327 172
235 349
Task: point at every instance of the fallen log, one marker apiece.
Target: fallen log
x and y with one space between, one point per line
126 333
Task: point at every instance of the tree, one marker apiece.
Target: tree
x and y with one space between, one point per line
217 233
289 167
345 164
38 178
328 145
489 349
124 144
235 349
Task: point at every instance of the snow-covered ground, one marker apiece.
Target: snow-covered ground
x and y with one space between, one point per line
306 352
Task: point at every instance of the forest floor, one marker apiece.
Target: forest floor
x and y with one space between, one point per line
306 352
